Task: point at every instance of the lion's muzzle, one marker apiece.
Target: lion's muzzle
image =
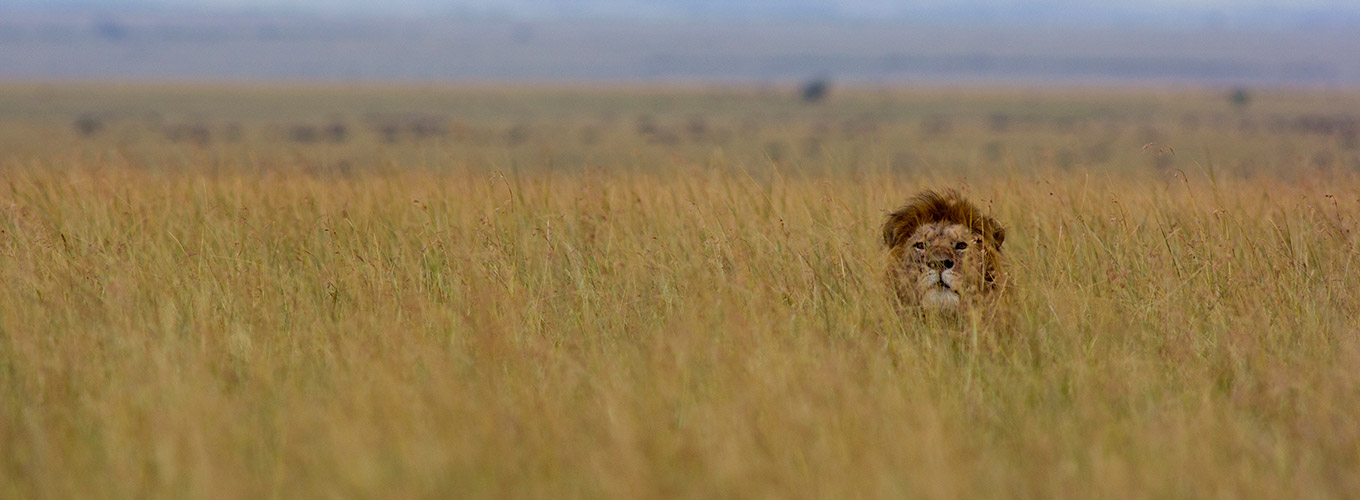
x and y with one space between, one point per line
941 263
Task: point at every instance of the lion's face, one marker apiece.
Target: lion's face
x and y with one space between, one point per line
943 254
942 263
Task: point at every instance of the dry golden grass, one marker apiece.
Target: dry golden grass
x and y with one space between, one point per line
677 331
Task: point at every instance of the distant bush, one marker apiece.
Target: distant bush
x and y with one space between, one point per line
88 125
815 90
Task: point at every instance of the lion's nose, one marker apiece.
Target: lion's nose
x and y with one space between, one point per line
942 263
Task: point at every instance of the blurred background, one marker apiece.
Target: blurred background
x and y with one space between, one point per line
1237 42
632 248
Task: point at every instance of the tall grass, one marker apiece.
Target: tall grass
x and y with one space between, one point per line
676 332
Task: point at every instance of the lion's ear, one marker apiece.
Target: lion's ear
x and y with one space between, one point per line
990 230
899 225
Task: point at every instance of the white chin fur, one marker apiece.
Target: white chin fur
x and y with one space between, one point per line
940 298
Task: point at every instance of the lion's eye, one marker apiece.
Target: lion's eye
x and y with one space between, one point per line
920 245
960 245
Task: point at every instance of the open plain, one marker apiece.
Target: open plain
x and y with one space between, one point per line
302 291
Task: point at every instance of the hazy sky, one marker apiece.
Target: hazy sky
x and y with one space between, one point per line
1207 41
849 8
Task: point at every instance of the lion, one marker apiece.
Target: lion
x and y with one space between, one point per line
944 253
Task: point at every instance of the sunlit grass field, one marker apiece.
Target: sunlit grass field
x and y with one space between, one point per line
406 292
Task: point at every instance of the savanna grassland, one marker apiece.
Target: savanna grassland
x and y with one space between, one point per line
412 292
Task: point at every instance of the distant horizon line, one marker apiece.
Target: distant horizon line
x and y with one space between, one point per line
1167 16
677 84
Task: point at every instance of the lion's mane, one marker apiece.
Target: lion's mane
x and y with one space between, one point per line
941 207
